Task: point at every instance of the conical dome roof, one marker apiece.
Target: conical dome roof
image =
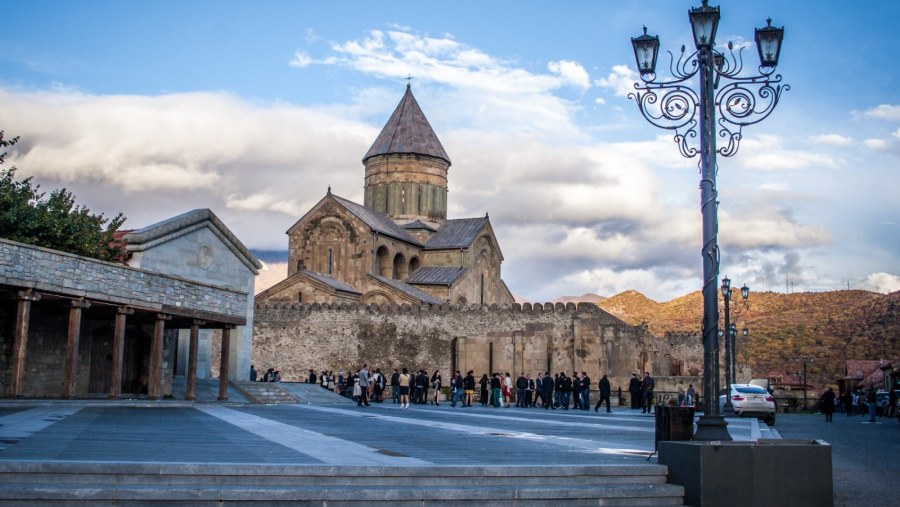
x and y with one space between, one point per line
407 131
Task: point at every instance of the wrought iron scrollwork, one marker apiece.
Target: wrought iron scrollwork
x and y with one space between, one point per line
740 101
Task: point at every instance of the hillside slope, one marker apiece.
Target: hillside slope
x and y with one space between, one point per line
829 327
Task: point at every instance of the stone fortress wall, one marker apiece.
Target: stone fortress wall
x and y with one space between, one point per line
294 338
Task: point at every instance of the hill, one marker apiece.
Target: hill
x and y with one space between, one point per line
829 327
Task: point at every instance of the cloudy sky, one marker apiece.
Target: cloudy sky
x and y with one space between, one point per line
253 109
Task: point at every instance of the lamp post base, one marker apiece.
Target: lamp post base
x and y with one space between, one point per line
710 428
728 409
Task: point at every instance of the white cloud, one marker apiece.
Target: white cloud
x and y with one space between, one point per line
600 100
884 112
571 72
882 282
301 60
876 144
621 80
833 139
766 153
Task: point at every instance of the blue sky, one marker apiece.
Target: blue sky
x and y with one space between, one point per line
252 110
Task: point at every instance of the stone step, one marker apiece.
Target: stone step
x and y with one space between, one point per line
93 483
291 475
266 393
328 496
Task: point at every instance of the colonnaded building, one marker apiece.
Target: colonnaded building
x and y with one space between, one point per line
395 283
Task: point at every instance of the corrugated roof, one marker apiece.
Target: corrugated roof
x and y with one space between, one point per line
407 131
417 225
459 233
378 221
331 282
409 290
436 275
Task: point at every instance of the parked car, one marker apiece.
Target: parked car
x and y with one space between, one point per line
751 401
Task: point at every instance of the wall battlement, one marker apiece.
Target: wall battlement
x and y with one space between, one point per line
527 308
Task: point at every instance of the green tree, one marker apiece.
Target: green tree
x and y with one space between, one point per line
55 221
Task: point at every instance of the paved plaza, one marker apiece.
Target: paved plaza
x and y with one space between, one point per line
340 433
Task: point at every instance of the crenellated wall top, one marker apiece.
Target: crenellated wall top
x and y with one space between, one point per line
390 309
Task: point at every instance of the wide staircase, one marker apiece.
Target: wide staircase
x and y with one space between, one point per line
200 484
266 393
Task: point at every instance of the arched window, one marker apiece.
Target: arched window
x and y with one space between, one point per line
481 297
413 265
300 265
400 267
384 261
419 201
330 261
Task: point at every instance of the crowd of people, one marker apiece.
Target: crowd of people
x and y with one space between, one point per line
559 391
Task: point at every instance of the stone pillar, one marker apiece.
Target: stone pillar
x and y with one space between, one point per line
223 362
72 345
154 382
192 360
20 341
115 375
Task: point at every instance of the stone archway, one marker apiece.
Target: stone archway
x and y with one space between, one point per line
383 258
400 267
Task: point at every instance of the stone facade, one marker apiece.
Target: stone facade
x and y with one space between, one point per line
376 250
532 338
27 266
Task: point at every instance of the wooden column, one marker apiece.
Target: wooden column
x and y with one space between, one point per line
192 360
72 345
115 375
20 341
154 382
223 363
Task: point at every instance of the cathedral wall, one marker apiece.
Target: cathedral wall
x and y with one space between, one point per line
333 244
407 186
294 338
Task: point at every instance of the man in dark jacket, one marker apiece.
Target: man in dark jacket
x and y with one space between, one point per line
635 391
605 394
566 390
521 386
469 388
576 391
547 391
648 384
395 386
585 391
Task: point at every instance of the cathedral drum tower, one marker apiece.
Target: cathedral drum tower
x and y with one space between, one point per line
406 168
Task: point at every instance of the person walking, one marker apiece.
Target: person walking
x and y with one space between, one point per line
485 384
436 386
605 394
647 385
521 386
457 388
495 390
529 391
826 404
585 391
363 386
507 388
403 380
871 398
566 391
635 392
469 387
395 386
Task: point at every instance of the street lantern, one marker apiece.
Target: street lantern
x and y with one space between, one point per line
704 21
768 43
745 291
646 49
726 288
698 117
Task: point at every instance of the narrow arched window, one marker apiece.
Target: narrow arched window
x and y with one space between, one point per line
482 288
330 261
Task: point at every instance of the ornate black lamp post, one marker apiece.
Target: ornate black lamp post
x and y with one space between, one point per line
673 105
730 334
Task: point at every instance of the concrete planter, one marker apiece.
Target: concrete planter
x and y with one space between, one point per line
764 473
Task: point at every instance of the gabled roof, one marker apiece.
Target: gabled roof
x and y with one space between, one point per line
459 233
418 225
409 290
331 282
379 222
171 228
407 131
436 275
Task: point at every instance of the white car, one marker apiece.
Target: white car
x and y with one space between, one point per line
750 400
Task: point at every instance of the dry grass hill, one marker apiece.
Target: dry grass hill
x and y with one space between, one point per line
828 327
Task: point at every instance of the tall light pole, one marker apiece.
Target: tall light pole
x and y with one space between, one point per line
729 334
672 105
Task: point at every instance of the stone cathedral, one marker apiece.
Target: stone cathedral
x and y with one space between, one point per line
398 247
